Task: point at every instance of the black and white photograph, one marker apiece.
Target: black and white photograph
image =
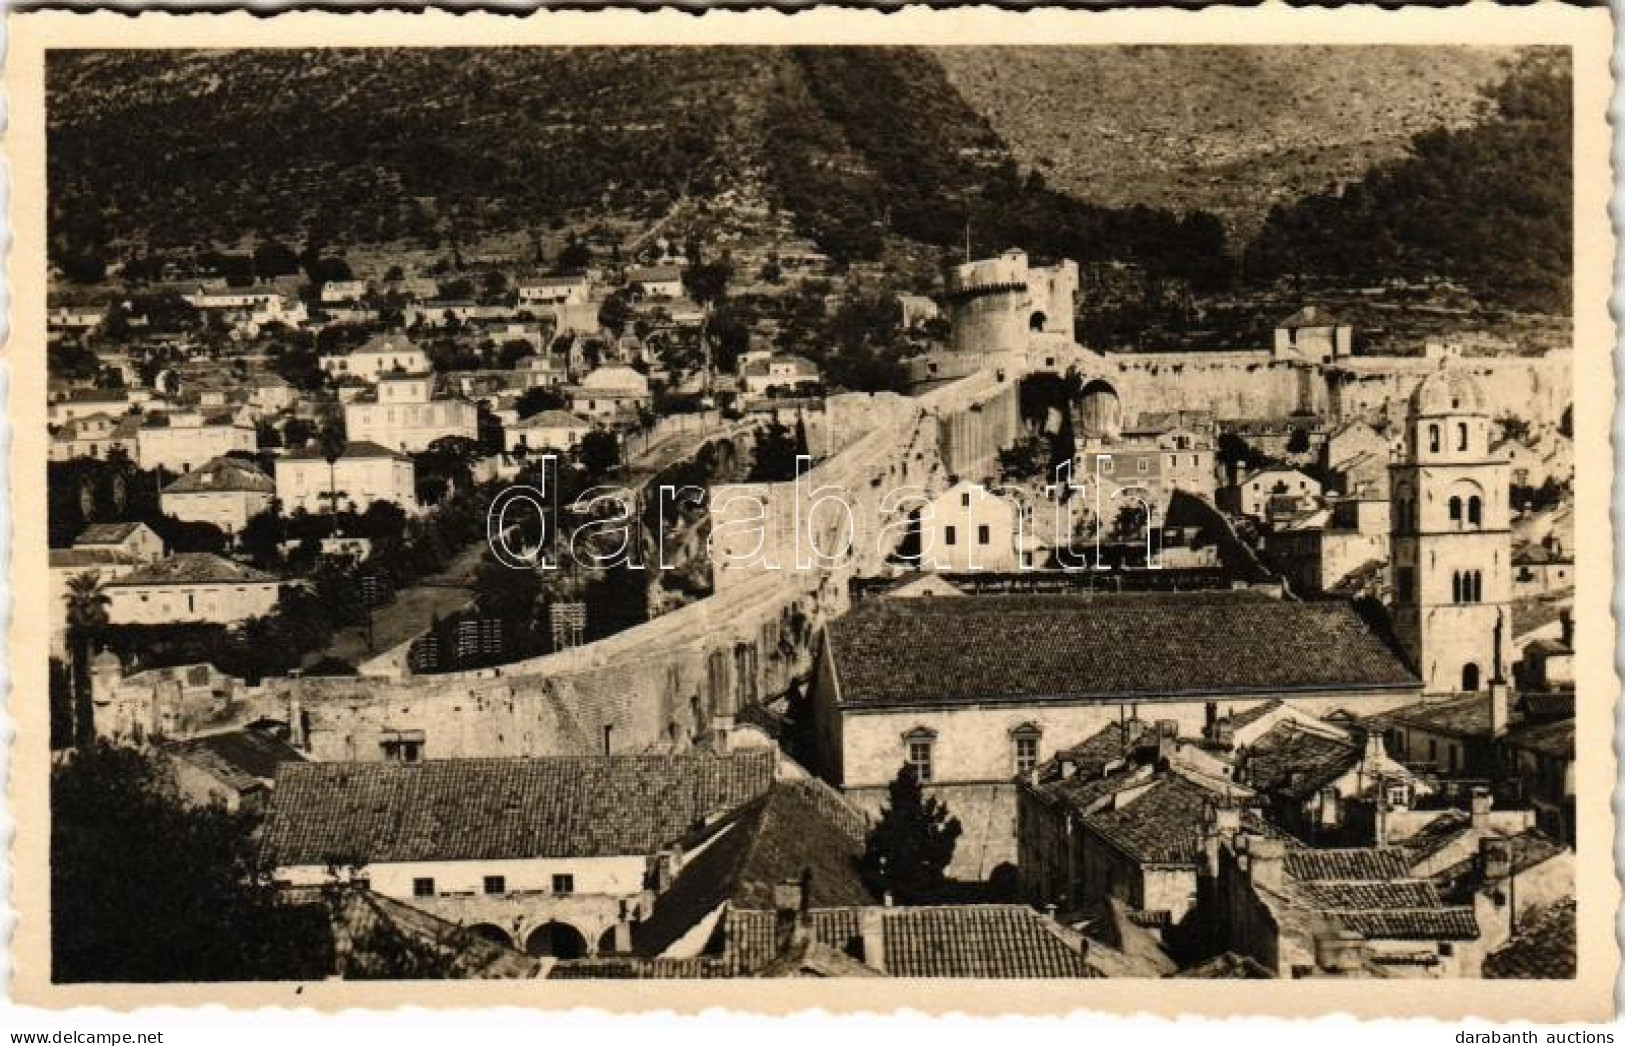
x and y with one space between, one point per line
1026 512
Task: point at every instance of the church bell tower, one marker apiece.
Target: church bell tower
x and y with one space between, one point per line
1451 544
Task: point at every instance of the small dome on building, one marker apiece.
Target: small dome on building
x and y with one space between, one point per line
1447 392
106 661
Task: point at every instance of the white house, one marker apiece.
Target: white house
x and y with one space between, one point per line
548 430
387 353
107 550
553 290
1254 493
609 392
365 473
760 377
968 528
405 413
95 436
657 281
181 441
225 492
343 290
190 587
271 392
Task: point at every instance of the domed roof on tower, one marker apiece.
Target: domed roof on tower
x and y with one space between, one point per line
1447 392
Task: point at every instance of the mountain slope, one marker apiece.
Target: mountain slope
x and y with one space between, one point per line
1230 130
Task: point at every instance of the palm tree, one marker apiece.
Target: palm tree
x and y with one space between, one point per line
332 442
87 616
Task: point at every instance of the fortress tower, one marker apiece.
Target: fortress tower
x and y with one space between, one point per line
1451 540
997 304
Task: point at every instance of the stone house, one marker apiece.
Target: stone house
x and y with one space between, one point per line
225 492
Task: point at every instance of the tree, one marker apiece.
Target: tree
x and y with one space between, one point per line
708 283
87 616
145 888
536 400
600 452
910 847
332 442
615 313
773 455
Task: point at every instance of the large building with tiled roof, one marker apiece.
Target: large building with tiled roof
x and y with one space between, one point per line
552 854
191 587
364 473
225 492
972 692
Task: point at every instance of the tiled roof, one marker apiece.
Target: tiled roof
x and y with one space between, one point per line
1375 864
1371 892
106 533
90 557
484 809
1413 924
976 940
360 448
1159 826
798 826
194 568
553 419
223 475
1556 739
243 759
1543 948
1310 316
368 919
1529 848
1297 763
931 651
1465 716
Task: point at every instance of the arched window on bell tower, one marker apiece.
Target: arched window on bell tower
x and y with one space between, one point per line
1469 677
1461 435
1433 439
1475 511
1455 510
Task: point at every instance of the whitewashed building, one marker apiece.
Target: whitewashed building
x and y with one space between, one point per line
225 492
189 588
405 413
365 473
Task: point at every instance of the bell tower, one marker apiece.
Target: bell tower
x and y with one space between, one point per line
1451 546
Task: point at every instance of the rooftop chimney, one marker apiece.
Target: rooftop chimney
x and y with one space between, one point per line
1495 857
790 909
1264 859
1500 712
1480 804
872 932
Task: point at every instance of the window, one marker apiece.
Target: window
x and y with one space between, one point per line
1455 510
1405 582
984 534
564 884
964 499
496 884
1475 511
1143 465
1026 752
1461 435
949 535
422 887
1433 438
1469 683
918 752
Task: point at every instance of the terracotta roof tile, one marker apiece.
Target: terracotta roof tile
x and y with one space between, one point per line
193 568
482 809
930 651
1543 948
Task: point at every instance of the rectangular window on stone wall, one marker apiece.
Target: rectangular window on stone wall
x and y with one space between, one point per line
919 757
564 884
496 884
422 887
